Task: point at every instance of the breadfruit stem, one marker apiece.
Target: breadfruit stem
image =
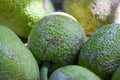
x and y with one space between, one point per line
44 71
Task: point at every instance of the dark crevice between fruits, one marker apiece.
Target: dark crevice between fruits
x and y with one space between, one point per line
24 40
57 4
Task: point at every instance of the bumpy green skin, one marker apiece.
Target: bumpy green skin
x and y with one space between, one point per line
73 73
101 53
16 61
92 14
116 75
20 15
56 38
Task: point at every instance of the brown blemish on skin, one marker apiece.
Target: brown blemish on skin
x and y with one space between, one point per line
54 41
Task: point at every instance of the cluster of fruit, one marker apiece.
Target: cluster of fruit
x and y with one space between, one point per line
57 45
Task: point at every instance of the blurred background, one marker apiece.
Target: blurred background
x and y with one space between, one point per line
57 4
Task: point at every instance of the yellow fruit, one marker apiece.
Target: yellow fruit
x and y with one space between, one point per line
92 14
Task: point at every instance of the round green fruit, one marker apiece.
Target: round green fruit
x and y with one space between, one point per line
101 53
21 15
57 39
16 61
73 72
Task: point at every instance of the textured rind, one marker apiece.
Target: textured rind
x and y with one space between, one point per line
92 14
101 53
116 75
20 15
73 72
56 38
16 61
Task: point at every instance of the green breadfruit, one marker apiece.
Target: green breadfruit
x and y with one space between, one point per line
101 53
16 61
56 39
73 72
21 15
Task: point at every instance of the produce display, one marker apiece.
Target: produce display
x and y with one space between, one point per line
59 39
